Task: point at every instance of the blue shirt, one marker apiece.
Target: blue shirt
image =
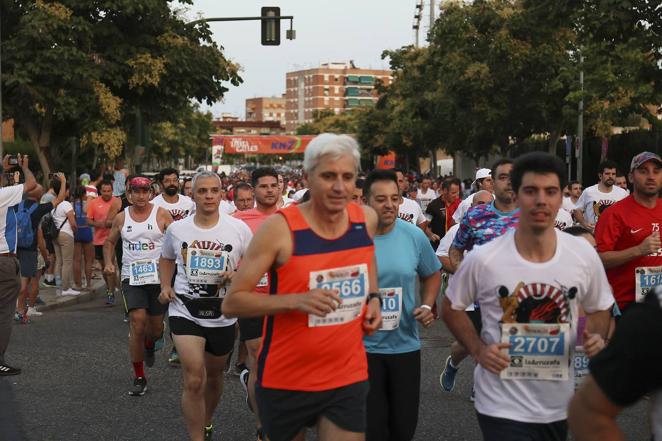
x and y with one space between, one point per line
402 254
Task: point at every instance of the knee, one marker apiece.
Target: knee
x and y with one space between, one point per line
195 381
138 326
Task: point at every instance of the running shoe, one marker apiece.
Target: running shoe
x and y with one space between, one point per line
6 370
209 432
472 397
47 283
239 368
173 359
33 311
126 317
70 292
139 387
243 378
23 319
447 377
110 298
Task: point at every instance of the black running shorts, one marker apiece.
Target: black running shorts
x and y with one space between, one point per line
284 413
250 329
143 297
218 340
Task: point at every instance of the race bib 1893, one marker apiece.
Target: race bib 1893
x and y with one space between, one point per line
204 267
646 279
538 351
144 272
351 283
391 308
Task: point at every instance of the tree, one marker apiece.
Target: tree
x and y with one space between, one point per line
86 68
327 121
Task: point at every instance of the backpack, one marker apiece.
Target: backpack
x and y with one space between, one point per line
48 227
24 230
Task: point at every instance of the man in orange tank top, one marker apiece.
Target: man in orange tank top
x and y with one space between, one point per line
323 297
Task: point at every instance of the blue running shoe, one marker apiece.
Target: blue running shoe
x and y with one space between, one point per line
447 377
110 298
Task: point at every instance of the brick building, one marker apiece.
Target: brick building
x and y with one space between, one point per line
334 86
266 109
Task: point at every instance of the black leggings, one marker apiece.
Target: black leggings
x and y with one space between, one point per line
395 383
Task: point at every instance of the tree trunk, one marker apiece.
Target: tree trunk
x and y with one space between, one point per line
43 160
553 140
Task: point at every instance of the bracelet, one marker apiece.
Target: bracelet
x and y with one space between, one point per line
377 295
428 307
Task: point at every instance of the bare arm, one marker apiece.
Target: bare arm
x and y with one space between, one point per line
163 218
579 215
109 244
30 181
592 416
650 245
446 264
62 194
71 217
429 291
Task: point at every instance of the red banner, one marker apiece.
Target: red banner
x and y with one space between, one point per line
386 162
261 145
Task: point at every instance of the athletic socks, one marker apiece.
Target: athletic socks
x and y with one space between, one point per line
149 343
138 369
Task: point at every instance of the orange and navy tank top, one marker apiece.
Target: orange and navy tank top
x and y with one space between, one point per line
294 356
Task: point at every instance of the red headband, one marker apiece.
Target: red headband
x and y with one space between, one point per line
140 182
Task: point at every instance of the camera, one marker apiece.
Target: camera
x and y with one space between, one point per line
52 176
13 160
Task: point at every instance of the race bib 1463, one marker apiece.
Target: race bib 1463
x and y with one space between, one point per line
144 272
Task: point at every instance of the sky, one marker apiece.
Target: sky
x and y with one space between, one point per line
326 30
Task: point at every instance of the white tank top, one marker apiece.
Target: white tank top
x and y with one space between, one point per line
140 240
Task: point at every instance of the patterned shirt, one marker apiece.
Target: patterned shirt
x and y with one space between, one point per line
483 223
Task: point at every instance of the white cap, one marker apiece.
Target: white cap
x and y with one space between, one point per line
482 173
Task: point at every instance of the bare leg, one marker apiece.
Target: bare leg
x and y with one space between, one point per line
88 254
138 323
458 353
252 346
22 296
328 431
78 251
214 365
191 350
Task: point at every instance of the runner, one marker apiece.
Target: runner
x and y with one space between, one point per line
529 283
622 374
312 367
575 190
595 199
141 228
441 210
628 234
178 205
425 193
357 197
410 210
621 181
394 352
483 181
97 217
244 197
265 183
205 249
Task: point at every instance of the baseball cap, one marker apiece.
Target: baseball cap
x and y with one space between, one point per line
84 176
643 157
482 174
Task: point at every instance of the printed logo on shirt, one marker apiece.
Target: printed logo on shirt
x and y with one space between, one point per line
600 206
205 290
536 303
178 213
140 246
408 217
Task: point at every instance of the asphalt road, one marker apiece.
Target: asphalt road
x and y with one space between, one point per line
76 374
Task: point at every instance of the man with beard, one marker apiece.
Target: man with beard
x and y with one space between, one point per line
529 283
628 234
178 205
267 195
596 198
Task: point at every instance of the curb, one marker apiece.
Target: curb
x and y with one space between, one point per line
74 300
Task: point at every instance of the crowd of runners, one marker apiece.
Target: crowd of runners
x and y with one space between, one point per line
548 288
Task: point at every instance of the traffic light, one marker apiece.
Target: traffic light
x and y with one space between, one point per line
270 26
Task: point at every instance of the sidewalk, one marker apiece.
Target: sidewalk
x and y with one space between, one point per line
52 301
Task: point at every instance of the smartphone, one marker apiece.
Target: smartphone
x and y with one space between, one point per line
51 176
13 160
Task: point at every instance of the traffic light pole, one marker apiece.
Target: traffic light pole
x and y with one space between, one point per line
290 34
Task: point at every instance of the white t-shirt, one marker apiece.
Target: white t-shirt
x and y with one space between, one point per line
226 207
424 199
230 237
60 214
411 212
184 206
463 208
446 241
568 205
593 202
563 220
484 271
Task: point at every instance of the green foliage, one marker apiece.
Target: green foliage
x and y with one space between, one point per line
186 133
327 121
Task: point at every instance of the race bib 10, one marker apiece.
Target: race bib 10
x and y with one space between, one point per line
204 267
391 308
538 351
144 272
351 283
646 278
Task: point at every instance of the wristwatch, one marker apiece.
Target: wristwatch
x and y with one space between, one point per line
373 295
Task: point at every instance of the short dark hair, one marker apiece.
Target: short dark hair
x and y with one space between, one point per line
261 173
378 175
537 162
241 186
360 182
168 171
577 230
570 184
446 183
498 163
608 163
101 184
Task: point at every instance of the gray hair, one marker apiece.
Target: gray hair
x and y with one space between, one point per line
203 174
332 145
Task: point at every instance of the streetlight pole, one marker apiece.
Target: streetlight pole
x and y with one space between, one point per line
580 122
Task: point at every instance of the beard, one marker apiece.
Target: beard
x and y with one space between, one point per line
170 191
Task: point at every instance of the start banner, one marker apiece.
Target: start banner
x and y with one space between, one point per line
261 145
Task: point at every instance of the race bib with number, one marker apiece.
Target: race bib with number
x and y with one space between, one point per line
391 308
351 283
264 281
144 272
204 267
538 351
646 279
580 362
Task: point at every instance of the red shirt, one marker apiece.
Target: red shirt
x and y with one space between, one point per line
254 218
97 210
450 211
624 225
